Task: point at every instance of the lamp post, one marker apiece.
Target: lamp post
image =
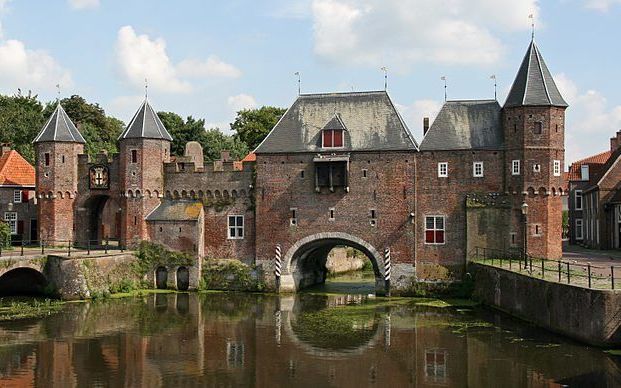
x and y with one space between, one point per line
524 209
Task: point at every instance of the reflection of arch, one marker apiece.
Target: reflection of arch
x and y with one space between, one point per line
22 281
305 261
161 278
358 345
183 279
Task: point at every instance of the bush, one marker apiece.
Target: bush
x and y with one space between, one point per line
151 255
229 275
5 235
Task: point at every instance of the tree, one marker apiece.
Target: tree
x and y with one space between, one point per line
21 118
213 140
100 131
251 126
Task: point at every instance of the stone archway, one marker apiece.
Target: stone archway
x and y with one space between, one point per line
22 281
100 220
305 261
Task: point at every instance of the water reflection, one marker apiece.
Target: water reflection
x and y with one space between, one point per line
218 339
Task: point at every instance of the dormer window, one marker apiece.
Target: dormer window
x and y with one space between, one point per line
332 134
332 138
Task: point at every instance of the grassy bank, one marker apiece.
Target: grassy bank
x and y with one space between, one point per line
14 308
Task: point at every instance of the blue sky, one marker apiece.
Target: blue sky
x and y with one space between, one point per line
210 58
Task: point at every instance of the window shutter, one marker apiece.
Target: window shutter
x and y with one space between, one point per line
20 227
25 196
338 138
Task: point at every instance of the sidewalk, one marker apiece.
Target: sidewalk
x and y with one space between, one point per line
594 256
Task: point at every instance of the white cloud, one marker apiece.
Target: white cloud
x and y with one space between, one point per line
601 5
241 101
84 4
212 67
591 120
414 113
140 57
401 32
24 68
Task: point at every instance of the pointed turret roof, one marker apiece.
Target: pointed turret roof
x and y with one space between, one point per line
534 85
146 124
59 127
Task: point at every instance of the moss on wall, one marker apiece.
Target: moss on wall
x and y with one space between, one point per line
232 275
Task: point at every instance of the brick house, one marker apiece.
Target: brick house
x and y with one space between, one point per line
579 179
337 169
17 199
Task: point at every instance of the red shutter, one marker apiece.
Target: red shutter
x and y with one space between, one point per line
429 237
327 138
338 138
20 227
25 196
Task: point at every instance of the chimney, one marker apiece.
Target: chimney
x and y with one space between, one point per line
4 148
225 156
615 142
425 125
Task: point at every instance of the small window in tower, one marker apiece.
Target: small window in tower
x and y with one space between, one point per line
302 174
536 167
47 158
293 221
364 173
331 214
557 168
556 128
537 230
373 217
538 128
513 239
515 128
515 167
443 169
477 169
134 156
62 158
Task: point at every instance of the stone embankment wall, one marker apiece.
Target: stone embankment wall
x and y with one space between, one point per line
340 260
591 316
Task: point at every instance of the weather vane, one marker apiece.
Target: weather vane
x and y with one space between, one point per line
146 88
493 76
443 78
385 70
532 25
58 93
299 82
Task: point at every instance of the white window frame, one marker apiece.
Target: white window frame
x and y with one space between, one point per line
17 196
515 167
537 230
579 229
578 194
293 221
435 228
11 219
235 231
557 167
475 173
443 170
584 172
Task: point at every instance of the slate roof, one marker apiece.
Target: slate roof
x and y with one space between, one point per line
176 211
59 127
15 170
595 162
371 120
470 124
146 124
533 84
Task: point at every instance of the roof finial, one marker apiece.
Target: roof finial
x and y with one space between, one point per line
146 88
385 70
297 73
532 25
493 76
58 94
443 78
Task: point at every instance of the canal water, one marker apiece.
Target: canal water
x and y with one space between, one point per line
321 338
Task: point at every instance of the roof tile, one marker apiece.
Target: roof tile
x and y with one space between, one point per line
15 170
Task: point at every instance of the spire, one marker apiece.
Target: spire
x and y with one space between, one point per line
146 124
59 128
534 85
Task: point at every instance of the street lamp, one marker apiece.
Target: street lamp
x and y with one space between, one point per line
524 209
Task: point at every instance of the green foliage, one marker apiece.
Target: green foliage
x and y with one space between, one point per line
5 234
21 118
32 308
151 255
230 275
251 126
212 140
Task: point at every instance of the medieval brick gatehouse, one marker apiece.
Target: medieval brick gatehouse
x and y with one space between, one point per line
337 169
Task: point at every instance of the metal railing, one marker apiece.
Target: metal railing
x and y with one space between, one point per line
61 247
561 271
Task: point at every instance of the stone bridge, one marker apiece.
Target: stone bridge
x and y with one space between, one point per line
25 275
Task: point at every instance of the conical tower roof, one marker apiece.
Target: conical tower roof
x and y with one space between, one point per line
534 85
146 124
59 127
